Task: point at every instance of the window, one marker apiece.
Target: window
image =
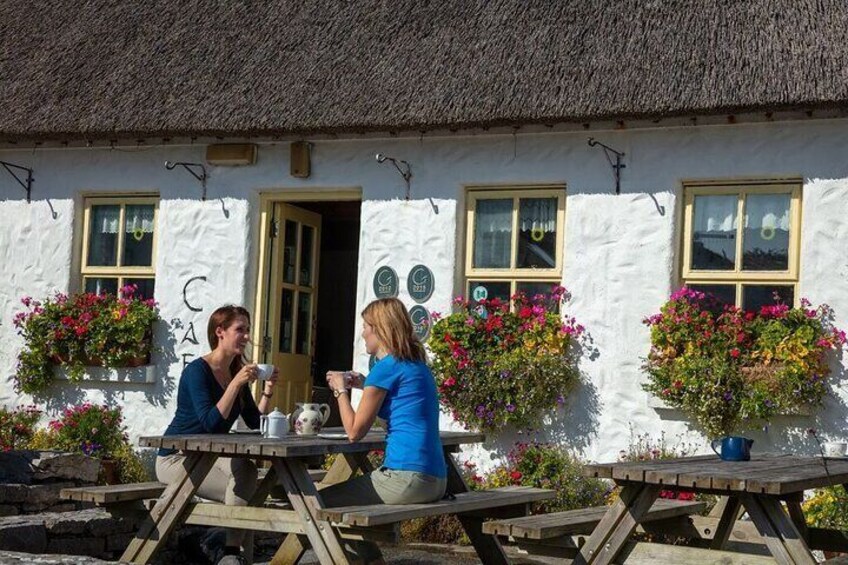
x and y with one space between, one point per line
514 241
119 245
741 242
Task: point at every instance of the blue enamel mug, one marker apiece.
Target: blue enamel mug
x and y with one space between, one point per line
733 448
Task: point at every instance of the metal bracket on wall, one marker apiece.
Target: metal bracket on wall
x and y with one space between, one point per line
617 166
190 167
26 184
405 170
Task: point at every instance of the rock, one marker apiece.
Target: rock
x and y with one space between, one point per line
13 493
62 507
8 510
46 495
16 466
77 546
73 466
15 558
118 542
30 537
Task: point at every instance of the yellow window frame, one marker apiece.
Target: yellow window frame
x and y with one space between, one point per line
739 277
514 275
118 271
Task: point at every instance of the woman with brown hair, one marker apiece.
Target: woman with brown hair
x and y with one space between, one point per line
213 392
401 390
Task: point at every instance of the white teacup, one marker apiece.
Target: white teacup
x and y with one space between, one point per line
835 448
264 371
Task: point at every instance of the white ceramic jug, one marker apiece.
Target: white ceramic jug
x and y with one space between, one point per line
309 418
274 425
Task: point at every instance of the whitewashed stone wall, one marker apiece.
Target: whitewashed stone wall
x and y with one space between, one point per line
621 252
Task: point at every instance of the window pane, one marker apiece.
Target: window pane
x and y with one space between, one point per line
765 242
290 246
755 297
101 285
487 290
537 223
306 236
303 321
286 320
145 287
724 294
138 236
492 234
531 289
714 232
103 236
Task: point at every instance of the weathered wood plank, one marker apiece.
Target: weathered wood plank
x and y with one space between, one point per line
634 514
372 515
770 534
581 521
165 515
729 515
111 494
792 540
644 553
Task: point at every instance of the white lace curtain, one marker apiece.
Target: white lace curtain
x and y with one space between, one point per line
138 217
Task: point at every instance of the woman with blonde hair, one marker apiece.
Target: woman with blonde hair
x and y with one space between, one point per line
401 390
213 392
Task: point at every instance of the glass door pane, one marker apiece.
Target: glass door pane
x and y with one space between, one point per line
307 237
286 320
289 251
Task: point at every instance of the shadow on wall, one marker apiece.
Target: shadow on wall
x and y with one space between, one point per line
63 394
574 425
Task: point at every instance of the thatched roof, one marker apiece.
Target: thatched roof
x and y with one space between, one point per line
75 69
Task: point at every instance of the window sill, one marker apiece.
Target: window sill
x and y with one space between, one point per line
659 405
144 374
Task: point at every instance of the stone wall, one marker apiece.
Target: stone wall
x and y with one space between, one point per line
30 481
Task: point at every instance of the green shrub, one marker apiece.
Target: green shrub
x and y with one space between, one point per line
17 427
828 508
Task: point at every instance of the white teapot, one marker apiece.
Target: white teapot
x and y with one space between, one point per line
274 425
309 418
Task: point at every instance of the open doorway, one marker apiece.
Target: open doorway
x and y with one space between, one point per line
311 321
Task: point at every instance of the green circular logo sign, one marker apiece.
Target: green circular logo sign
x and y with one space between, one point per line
479 293
420 283
386 283
420 322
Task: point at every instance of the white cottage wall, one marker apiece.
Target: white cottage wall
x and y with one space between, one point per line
621 252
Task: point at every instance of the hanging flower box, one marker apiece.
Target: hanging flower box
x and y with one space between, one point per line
74 336
723 366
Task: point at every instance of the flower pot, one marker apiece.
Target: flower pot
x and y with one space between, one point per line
109 471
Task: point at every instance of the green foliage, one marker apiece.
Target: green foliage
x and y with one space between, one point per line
828 508
131 468
496 366
724 365
79 330
17 427
548 466
90 429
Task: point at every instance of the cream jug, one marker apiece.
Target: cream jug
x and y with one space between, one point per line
274 425
309 418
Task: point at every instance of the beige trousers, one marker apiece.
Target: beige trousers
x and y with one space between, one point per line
232 480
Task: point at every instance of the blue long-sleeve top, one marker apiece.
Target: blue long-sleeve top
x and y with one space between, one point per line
197 412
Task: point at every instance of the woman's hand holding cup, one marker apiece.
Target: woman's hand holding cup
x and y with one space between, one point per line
246 375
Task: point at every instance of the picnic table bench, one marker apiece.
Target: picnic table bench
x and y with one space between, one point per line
303 515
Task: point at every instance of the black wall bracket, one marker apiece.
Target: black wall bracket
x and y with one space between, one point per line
192 168
403 169
617 166
27 184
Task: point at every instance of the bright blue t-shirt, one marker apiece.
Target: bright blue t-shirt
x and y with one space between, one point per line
411 412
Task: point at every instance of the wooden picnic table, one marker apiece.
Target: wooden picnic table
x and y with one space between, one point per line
760 486
306 523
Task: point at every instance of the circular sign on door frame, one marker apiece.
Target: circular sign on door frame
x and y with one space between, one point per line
420 283
386 283
420 322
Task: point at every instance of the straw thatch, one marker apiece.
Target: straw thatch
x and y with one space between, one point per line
74 69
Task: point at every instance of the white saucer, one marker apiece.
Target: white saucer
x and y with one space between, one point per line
328 435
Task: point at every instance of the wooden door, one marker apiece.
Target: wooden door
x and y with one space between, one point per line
293 289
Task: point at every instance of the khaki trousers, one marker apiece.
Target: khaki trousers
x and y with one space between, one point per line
232 480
